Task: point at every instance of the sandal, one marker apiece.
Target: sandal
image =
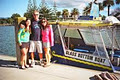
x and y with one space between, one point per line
47 64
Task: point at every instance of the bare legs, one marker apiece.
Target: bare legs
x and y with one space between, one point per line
40 55
47 55
32 58
24 57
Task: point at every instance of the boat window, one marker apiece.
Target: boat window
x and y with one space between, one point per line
56 34
95 37
118 36
71 38
63 31
107 37
88 36
72 33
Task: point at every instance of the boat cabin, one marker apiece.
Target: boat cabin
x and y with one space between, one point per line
87 43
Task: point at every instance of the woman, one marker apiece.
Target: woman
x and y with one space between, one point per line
47 39
23 40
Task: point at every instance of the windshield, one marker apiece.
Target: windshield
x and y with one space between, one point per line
89 40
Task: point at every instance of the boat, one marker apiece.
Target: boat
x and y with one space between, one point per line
86 43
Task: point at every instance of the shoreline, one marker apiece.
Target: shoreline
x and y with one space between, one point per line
8 57
6 25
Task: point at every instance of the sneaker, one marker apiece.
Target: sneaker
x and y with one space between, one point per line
32 64
23 67
26 66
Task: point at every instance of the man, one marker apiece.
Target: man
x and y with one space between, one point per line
35 38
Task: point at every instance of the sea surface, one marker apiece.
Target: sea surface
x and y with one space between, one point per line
7 40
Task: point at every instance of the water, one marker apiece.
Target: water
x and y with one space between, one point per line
7 40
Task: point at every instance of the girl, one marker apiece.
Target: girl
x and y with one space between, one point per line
47 39
23 40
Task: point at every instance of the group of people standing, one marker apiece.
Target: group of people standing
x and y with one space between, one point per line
35 35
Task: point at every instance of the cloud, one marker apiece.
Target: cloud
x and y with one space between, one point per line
70 4
67 3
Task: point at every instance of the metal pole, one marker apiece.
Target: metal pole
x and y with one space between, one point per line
112 53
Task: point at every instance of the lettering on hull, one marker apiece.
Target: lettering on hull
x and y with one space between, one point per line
87 57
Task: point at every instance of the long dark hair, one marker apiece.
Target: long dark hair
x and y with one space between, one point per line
26 25
47 24
22 22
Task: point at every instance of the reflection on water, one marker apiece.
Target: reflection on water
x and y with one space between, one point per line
7 40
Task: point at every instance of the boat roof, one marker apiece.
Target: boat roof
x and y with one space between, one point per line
82 23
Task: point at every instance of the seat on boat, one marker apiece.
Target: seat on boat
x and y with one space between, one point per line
117 58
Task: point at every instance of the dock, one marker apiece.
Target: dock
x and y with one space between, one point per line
10 71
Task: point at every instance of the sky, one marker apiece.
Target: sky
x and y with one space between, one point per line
8 7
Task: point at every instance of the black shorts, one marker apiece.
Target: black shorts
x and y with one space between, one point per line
24 45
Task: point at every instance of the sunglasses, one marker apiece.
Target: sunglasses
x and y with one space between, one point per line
43 21
36 14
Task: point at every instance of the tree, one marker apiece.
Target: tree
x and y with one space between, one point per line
9 20
28 15
3 21
14 16
31 7
108 3
87 9
101 7
65 14
116 13
75 13
46 12
35 5
58 14
118 9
